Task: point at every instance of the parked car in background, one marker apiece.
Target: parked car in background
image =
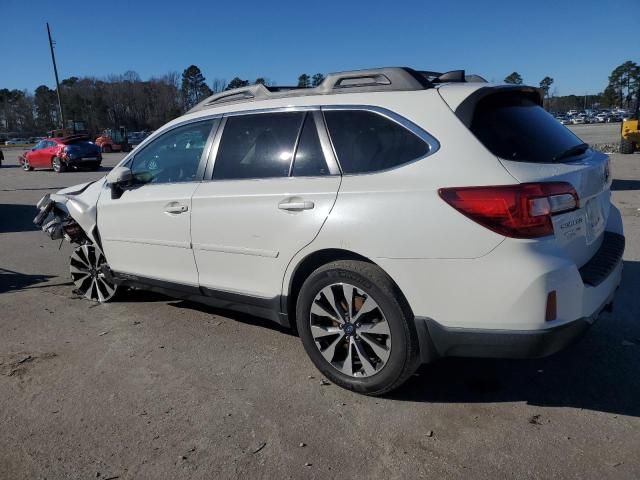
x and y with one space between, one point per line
17 141
1 157
601 117
60 154
577 120
280 203
614 117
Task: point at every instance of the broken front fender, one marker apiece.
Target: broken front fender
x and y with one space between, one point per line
70 213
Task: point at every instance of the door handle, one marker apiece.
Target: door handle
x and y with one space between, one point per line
176 208
296 206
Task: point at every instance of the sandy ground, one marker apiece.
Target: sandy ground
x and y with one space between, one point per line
151 387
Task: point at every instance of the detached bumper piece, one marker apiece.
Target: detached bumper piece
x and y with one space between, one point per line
596 270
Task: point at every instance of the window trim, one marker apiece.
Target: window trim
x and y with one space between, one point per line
323 136
200 172
432 143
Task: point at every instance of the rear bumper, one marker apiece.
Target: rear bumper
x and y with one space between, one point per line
83 162
437 340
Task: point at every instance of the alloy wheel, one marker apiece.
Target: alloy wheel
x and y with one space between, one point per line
87 275
25 165
350 330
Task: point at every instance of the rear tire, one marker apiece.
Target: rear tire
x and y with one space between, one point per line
26 166
106 149
369 343
58 165
626 146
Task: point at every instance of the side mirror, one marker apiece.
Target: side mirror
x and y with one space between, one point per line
119 176
117 179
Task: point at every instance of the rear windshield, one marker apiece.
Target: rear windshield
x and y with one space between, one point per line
514 127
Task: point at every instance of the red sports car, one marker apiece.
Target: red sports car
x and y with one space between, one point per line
62 153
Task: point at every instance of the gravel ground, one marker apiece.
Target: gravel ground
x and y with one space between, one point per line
151 387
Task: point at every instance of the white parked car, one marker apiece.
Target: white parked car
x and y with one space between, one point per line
577 120
16 141
390 216
601 117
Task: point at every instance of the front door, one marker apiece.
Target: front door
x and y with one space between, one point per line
270 192
146 231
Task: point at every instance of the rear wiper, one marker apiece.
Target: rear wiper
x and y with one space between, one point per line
571 152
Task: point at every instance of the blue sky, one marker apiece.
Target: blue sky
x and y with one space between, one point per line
577 43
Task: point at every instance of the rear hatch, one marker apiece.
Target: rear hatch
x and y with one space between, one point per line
534 147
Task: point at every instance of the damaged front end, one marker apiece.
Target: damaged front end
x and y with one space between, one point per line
71 214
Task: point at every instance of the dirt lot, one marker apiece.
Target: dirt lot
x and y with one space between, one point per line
157 388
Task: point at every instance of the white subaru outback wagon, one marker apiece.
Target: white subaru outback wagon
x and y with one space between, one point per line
391 216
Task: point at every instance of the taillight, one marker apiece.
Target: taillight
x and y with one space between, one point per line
518 211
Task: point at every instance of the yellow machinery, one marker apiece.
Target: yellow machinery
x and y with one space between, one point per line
630 135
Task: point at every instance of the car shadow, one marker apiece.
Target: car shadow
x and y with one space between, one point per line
619 185
233 315
601 372
11 280
17 218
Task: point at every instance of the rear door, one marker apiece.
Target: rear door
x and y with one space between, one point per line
534 147
273 183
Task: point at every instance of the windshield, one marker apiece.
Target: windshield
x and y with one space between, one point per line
514 127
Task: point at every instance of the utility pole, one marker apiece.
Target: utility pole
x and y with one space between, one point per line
55 71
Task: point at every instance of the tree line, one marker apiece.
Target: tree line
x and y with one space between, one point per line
147 104
622 91
117 100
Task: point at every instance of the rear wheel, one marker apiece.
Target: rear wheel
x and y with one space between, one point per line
26 166
106 148
626 146
58 165
356 328
86 266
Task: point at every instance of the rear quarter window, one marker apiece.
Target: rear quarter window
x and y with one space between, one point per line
368 142
512 126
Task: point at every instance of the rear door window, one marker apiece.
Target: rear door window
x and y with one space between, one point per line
257 146
365 141
514 127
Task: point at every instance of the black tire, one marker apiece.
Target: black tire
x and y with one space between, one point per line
106 149
94 167
626 146
58 165
25 165
403 358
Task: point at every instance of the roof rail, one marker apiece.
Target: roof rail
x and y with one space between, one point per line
370 80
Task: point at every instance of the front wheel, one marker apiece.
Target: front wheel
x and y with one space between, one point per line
86 267
356 327
58 165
